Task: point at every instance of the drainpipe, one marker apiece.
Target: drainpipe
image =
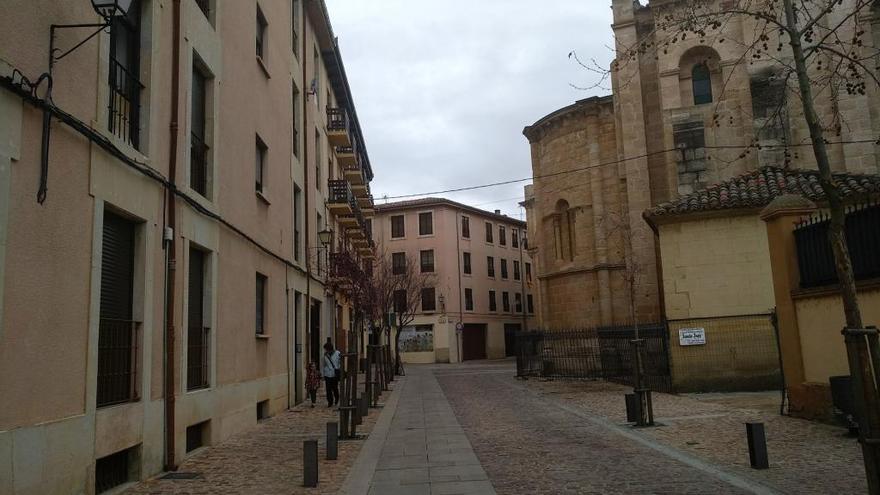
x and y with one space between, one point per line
170 464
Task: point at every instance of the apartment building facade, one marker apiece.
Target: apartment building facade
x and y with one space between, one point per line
166 287
479 262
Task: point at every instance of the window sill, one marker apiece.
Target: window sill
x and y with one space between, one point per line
262 336
425 236
263 197
398 238
199 390
262 65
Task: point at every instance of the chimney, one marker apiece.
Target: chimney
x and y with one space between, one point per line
497 212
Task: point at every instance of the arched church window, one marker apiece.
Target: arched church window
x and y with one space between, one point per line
702 84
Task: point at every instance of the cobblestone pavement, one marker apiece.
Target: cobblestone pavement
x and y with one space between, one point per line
267 459
569 437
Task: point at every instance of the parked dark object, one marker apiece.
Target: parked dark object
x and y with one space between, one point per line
632 408
757 445
310 463
332 440
844 402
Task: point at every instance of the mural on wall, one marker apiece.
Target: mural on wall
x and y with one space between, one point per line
418 338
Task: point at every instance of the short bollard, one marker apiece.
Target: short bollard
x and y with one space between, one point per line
310 463
632 408
332 440
757 445
365 406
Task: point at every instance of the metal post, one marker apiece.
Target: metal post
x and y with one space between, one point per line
310 463
332 440
757 445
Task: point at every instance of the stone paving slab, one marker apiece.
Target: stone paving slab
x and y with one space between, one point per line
426 451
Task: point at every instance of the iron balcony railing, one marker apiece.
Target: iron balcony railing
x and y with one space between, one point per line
340 192
198 165
117 362
125 104
337 119
198 358
816 258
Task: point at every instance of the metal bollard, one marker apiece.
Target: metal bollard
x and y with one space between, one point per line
332 440
632 408
310 463
365 406
757 445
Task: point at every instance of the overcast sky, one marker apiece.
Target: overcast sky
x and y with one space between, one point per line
444 89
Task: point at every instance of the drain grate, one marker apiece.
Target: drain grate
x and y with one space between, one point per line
181 476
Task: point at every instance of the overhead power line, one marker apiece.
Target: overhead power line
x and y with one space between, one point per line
613 162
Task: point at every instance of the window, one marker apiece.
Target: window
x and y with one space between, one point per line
297 222
125 88
702 84
528 272
516 270
531 304
117 337
517 297
205 7
197 436
493 304
294 22
505 302
115 469
466 263
198 336
295 111
429 302
260 167
368 226
263 410
400 301
502 236
489 232
427 261
503 268
319 223
260 322
397 227
398 263
514 238
490 266
317 159
426 223
261 34
316 76
466 227
198 162
468 299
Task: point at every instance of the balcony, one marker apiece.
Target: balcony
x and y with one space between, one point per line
338 127
355 174
346 156
360 190
341 200
366 204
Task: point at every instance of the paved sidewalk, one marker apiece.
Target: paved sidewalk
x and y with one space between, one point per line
425 450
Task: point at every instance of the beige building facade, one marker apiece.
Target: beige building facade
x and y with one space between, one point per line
483 278
681 118
169 290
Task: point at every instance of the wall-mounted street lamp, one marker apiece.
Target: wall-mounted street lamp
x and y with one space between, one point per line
325 237
108 10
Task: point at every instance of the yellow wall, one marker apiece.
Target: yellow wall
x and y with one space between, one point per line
820 320
716 267
740 354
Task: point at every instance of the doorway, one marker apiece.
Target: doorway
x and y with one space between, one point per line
510 331
315 332
473 341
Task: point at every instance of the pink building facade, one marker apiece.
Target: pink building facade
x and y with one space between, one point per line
484 278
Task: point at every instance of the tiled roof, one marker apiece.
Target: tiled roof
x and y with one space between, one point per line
758 188
431 201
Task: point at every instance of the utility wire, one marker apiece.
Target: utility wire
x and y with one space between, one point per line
615 162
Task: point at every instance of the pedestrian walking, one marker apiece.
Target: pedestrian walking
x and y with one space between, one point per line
313 382
332 373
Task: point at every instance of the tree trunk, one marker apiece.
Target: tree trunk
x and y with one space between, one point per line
397 362
860 349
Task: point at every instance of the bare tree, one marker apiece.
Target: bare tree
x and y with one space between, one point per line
820 50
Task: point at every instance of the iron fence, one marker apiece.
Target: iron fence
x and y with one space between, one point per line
117 361
596 353
816 258
337 119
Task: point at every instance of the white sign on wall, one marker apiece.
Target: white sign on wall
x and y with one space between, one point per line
692 336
